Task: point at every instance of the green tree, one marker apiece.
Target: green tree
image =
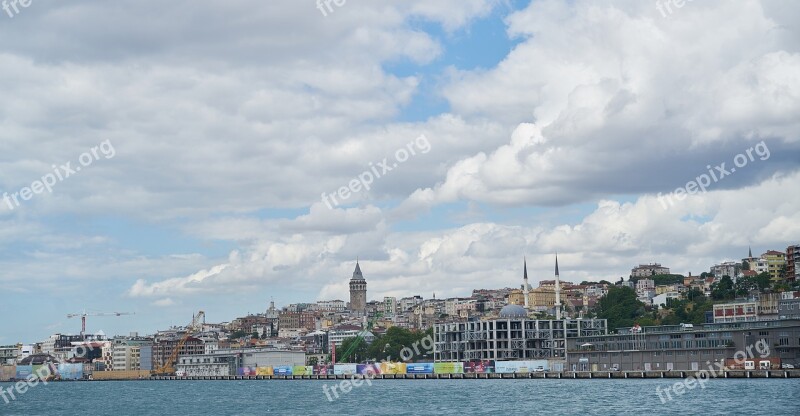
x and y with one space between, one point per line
723 289
353 349
620 307
666 279
389 346
238 334
746 284
745 265
695 294
691 310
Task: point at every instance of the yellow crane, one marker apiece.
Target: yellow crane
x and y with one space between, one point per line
168 368
84 314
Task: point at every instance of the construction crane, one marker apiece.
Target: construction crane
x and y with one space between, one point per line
85 314
168 368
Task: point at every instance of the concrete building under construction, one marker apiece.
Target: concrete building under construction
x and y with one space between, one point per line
512 336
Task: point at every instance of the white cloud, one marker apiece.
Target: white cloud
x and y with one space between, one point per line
688 237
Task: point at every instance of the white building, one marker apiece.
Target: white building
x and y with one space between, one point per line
728 268
661 300
126 357
225 362
340 333
9 354
597 290
406 304
389 306
332 305
645 288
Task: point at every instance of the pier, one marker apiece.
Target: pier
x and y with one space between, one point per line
575 375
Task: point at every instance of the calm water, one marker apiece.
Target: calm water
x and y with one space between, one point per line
405 397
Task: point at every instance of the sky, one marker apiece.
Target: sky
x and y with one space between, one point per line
162 158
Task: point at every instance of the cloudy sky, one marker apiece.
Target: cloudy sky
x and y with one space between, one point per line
213 140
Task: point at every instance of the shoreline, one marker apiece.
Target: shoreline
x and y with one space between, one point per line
578 375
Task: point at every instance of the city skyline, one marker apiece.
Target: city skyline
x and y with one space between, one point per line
357 275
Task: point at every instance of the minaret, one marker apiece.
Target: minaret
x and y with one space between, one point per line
558 292
749 252
358 291
525 287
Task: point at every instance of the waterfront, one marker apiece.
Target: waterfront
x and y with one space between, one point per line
401 397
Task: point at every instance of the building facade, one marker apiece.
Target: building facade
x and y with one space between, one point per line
792 263
332 306
338 334
776 261
297 320
729 268
512 336
226 362
789 308
389 306
682 348
645 270
9 354
744 311
163 349
126 353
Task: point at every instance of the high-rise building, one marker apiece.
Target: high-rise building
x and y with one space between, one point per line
792 260
776 260
389 306
358 291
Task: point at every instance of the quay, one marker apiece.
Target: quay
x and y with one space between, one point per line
578 375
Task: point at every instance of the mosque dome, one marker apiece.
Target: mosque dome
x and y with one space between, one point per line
513 311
